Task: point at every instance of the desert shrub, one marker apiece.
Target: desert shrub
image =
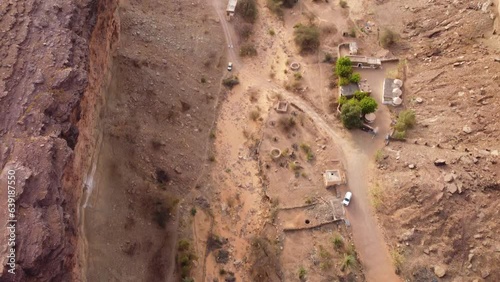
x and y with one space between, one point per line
203 80
368 105
254 115
359 95
272 32
244 30
306 37
348 262
352 32
248 50
406 120
288 3
231 81
350 114
302 273
400 135
328 58
397 260
343 4
379 156
355 77
343 67
275 7
297 75
286 124
387 38
248 10
193 211
338 242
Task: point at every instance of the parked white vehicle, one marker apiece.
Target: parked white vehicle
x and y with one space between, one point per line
230 66
347 199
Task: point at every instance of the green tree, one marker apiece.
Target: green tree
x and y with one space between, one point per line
307 37
368 105
350 114
343 81
343 67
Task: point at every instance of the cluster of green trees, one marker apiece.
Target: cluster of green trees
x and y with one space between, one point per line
343 68
353 109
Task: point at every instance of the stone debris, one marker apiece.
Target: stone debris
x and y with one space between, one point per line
467 129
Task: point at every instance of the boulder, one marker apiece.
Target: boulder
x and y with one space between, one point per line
440 162
467 129
439 271
449 178
452 188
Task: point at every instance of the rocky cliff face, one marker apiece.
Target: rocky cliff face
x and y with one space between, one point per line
45 73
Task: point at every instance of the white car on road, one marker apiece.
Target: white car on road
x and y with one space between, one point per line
230 66
347 199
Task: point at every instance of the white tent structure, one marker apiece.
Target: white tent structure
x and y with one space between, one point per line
396 101
397 92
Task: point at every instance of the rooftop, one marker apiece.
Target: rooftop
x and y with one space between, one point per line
365 60
332 177
231 5
349 89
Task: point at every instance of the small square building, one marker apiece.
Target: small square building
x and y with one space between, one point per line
332 178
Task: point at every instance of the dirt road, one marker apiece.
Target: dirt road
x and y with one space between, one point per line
358 157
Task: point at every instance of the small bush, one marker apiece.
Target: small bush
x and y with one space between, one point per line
248 50
211 158
387 38
297 75
203 80
302 273
344 81
231 81
254 115
245 30
397 260
355 78
328 58
286 124
271 32
338 242
379 156
352 32
306 37
193 211
275 7
399 135
343 4
406 120
348 262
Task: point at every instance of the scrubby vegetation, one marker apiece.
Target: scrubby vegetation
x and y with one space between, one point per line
406 120
387 38
306 37
248 50
185 258
248 10
287 123
231 81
